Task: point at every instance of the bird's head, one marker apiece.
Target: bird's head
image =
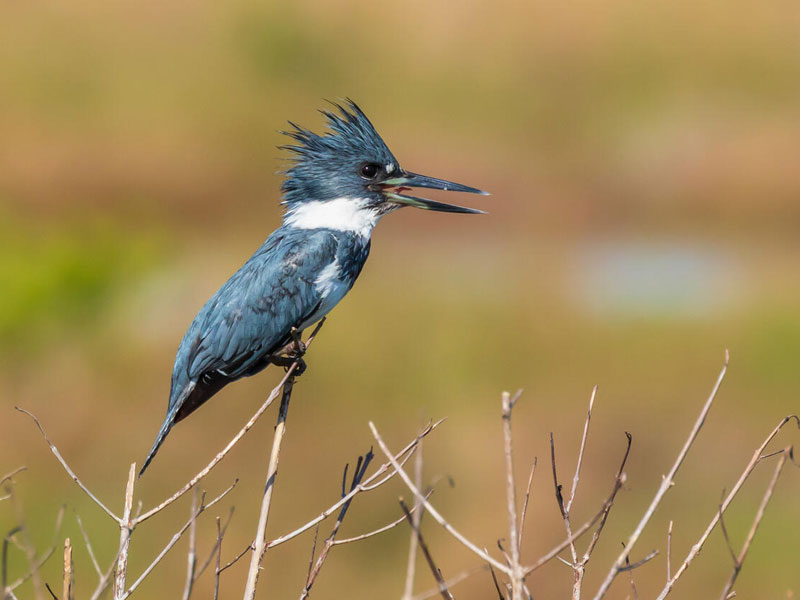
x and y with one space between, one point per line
352 167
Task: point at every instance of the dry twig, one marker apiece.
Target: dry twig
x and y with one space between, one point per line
67 468
437 573
359 472
517 574
408 588
754 461
203 506
260 543
433 512
667 482
738 561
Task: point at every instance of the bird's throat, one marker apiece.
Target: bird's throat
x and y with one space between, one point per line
354 215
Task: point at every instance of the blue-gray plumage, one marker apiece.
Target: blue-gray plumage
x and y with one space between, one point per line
339 186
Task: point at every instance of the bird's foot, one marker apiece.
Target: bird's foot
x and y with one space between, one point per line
286 361
297 346
292 353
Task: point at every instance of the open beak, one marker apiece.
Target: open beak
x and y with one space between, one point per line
393 188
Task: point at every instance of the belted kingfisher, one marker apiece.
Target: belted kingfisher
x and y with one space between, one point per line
338 187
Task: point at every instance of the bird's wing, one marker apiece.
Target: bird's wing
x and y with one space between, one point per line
248 318
253 313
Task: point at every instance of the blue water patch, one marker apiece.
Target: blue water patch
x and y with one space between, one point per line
672 278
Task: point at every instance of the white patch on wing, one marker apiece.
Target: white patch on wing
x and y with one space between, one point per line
326 280
331 288
341 214
390 168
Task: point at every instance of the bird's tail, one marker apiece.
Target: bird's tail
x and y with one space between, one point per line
169 421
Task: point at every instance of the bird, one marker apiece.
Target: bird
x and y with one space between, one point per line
338 186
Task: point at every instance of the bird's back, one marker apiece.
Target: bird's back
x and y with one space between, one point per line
284 284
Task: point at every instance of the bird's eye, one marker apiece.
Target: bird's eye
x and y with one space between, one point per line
369 170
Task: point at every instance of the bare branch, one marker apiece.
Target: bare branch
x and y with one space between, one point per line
67 591
527 499
125 529
411 564
380 530
738 561
619 479
429 507
10 475
238 557
69 471
89 548
556 485
4 577
220 533
260 543
500 595
754 461
191 556
203 506
669 551
602 514
358 475
516 575
437 573
452 581
35 564
631 566
581 452
366 486
667 482
215 549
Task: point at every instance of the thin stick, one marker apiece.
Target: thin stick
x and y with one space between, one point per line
437 573
496 584
105 580
260 546
203 506
378 531
451 582
619 480
34 563
667 482
429 507
89 548
669 551
516 574
358 475
601 516
199 572
739 560
631 566
527 499
728 499
125 529
581 452
68 576
411 564
191 555
69 471
220 533
247 549
368 485
9 476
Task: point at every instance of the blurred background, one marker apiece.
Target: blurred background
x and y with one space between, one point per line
642 159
